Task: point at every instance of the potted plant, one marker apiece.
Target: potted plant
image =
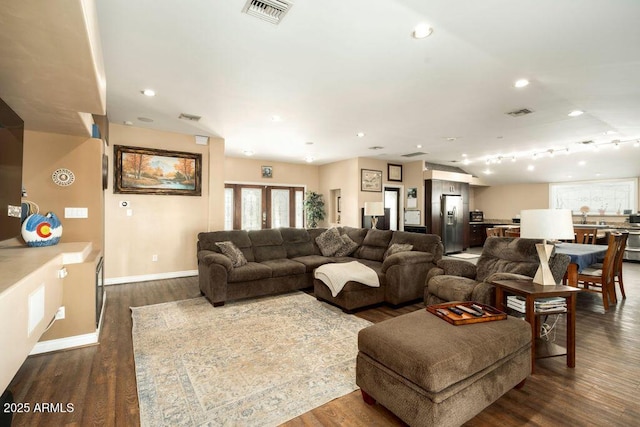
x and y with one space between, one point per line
314 208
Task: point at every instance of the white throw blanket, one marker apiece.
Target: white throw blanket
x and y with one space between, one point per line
335 276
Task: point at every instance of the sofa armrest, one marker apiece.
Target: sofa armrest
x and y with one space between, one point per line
506 276
209 257
456 267
406 258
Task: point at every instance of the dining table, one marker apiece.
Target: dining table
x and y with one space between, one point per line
582 256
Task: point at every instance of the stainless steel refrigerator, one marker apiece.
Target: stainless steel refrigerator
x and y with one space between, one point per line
452 224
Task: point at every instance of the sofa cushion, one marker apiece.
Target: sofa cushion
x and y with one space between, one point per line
396 248
311 262
249 271
374 245
452 288
284 267
232 252
240 238
508 255
355 234
267 244
329 242
347 248
421 242
297 242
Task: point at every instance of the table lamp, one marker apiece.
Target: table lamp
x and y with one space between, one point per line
374 210
547 224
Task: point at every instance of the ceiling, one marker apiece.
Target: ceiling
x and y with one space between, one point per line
332 69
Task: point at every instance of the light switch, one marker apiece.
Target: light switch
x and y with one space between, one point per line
76 212
129 212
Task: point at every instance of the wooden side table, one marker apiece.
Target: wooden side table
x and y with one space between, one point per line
526 288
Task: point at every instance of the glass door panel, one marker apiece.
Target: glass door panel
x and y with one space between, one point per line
391 201
251 208
228 209
279 208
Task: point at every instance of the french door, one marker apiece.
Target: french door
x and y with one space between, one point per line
254 207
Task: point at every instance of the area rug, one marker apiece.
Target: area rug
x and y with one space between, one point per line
258 362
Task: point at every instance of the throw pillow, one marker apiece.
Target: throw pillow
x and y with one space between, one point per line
396 248
329 242
232 252
348 246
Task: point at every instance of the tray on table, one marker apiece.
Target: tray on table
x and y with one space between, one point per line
489 313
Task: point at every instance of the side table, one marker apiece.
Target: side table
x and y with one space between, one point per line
526 288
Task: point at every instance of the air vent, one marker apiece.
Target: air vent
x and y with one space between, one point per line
417 153
585 142
268 10
376 147
519 113
190 117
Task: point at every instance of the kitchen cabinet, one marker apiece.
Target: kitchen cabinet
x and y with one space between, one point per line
477 234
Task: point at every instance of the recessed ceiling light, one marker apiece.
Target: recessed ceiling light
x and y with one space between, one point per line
309 159
419 146
530 167
487 171
464 154
421 31
576 113
521 83
451 138
360 134
466 161
610 132
636 144
128 123
582 163
149 92
248 152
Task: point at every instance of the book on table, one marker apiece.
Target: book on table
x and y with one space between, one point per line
541 305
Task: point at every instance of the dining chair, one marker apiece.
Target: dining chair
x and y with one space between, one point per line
512 233
600 280
617 273
494 232
586 235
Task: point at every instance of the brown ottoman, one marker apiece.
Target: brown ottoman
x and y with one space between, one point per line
431 373
353 296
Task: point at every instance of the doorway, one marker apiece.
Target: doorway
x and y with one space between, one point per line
392 201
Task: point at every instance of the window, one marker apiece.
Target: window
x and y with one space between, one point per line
253 207
611 197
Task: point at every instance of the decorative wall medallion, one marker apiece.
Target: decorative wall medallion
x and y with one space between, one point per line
63 177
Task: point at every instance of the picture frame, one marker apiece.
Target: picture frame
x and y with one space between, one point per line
394 172
371 180
267 171
153 171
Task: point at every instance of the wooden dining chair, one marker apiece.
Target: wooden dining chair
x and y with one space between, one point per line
600 280
494 231
617 273
512 233
586 235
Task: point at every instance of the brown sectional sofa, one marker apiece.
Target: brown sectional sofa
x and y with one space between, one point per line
284 259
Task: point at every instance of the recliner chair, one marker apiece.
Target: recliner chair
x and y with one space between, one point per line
502 258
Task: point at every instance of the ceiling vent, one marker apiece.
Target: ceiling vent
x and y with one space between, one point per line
417 153
376 147
268 10
520 113
585 142
190 117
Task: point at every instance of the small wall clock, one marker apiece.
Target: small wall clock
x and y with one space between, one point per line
63 177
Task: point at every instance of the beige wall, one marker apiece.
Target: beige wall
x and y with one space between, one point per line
247 170
506 201
162 225
46 152
342 177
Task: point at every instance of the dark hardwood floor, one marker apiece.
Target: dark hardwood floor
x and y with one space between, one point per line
99 381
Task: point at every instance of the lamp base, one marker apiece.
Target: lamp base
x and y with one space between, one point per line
374 222
543 275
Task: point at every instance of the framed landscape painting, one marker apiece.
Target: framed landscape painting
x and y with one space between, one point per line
151 171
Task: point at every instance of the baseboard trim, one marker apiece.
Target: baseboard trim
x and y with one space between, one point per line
147 277
65 343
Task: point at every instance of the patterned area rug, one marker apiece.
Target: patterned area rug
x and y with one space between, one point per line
258 362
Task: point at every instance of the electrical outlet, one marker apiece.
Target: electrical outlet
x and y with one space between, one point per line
61 313
154 257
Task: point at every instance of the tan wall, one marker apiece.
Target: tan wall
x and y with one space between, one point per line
246 170
344 178
412 177
43 154
46 152
162 225
506 201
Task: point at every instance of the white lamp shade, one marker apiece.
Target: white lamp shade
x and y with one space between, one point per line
374 208
550 224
